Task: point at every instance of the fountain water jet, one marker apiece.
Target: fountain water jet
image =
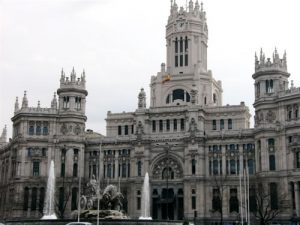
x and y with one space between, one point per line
145 212
49 205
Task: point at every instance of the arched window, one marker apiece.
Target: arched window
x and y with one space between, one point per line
33 198
234 202
272 163
221 124
193 166
167 173
215 167
74 198
139 168
214 98
229 124
66 102
75 168
26 198
41 200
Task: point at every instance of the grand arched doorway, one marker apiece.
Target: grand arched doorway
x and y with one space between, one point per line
167 189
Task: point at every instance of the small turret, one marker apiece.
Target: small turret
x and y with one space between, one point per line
39 104
3 136
191 6
197 7
54 102
73 75
25 100
62 77
17 104
275 64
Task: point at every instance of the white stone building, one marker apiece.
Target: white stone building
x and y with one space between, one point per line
187 140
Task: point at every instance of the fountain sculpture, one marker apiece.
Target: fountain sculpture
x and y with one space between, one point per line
49 207
145 209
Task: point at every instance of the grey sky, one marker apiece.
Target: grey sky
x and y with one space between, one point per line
120 44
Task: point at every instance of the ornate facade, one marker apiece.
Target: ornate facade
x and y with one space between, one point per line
187 140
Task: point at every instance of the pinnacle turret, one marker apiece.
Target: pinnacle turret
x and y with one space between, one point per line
54 102
3 136
72 81
17 104
276 64
25 100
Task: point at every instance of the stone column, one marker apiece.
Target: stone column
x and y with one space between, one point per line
296 191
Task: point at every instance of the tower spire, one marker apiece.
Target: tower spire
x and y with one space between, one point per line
25 100
3 135
54 102
17 104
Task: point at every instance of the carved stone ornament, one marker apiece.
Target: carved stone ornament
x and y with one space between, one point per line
77 129
270 117
64 129
160 168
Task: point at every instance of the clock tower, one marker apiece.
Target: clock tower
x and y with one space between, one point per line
185 79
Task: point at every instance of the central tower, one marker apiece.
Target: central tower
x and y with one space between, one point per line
186 35
185 80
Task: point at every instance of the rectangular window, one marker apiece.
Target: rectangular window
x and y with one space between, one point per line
186 60
124 170
138 204
75 170
273 196
272 163
119 130
77 103
62 170
298 159
132 129
221 124
126 130
214 124
45 128
31 128
36 169
66 102
160 125
176 60
175 124
153 125
193 202
168 125
181 60
182 124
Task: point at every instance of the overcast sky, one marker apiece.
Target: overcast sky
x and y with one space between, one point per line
120 44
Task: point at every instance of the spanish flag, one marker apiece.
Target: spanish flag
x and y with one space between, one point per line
167 78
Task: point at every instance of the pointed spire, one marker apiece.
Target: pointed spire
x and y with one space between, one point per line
191 6
73 75
17 104
201 6
54 102
3 135
83 76
39 104
25 101
197 6
62 77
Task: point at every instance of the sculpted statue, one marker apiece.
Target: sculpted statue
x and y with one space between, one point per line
142 99
92 187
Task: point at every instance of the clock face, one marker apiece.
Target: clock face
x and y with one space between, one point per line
180 25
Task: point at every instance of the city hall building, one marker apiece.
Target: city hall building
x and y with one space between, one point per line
194 148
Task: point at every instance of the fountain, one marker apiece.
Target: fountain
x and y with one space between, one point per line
145 212
49 206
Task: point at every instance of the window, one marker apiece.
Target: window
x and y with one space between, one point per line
205 101
175 124
66 102
232 167
26 198
273 196
271 144
215 167
109 170
45 128
233 201
62 169
168 125
229 124
128 169
214 124
251 166
269 86
78 103
75 170
182 124
33 198
252 200
36 169
214 98
124 169
272 164
216 201
178 94
126 130
160 125
38 128
221 124
186 51
193 202
31 128
193 166
61 199
297 159
41 199
139 169
119 130
138 202
74 198
153 125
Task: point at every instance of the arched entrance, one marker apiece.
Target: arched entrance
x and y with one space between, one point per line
167 190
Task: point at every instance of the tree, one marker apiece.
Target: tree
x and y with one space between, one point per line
266 207
219 186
